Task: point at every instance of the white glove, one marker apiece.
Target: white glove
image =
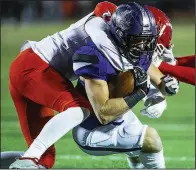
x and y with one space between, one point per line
154 106
168 56
170 85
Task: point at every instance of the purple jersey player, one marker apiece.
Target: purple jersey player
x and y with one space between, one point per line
91 50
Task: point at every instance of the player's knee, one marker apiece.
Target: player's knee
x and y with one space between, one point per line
84 113
78 113
152 142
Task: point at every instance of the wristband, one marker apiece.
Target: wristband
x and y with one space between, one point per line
134 98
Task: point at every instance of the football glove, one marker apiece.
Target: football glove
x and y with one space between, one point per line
142 80
168 56
154 106
169 85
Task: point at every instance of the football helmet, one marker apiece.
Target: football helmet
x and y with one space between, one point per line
135 30
164 29
105 10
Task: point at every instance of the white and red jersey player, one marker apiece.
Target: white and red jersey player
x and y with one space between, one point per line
40 81
181 67
41 75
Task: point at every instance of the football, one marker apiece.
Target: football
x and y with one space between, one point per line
121 84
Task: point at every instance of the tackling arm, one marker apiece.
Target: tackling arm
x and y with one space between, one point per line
182 73
166 84
187 61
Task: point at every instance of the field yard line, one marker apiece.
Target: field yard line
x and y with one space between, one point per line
79 157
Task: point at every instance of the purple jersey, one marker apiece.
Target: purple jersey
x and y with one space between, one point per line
88 61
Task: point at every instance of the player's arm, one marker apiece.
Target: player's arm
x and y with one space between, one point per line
181 73
105 109
89 65
181 68
187 61
166 84
108 109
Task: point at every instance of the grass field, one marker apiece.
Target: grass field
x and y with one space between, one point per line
176 127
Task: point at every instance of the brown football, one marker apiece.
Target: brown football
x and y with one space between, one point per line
121 84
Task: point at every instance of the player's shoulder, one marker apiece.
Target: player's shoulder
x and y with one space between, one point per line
88 54
89 61
95 24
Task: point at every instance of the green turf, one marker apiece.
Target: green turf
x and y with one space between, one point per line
176 126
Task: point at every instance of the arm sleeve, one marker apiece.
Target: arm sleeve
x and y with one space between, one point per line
184 74
187 61
89 62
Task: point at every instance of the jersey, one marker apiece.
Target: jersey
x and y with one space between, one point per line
59 48
88 61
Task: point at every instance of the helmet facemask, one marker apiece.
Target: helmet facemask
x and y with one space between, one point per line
159 49
140 45
135 31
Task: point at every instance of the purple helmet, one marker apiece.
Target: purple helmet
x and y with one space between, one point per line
135 30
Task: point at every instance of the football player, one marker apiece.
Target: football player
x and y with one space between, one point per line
126 134
155 102
93 51
180 67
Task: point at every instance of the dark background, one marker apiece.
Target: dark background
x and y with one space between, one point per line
30 11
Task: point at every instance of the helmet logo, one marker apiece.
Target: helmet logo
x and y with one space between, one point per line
162 30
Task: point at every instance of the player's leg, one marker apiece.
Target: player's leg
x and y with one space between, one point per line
131 137
134 162
41 84
32 118
151 154
72 109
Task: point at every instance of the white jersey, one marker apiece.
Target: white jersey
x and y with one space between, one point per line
58 49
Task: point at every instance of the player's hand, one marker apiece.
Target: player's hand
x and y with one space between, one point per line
168 56
154 106
169 85
142 80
